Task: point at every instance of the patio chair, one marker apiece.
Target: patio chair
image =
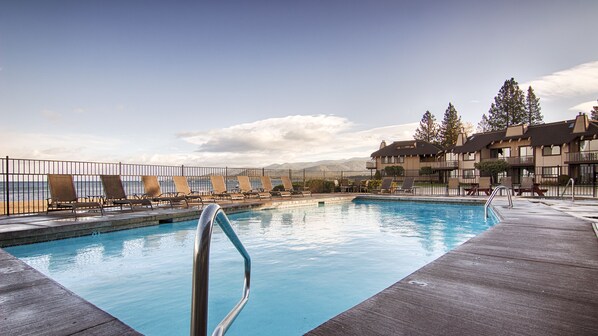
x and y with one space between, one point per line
153 192
407 185
181 185
115 193
485 185
248 191
220 191
528 185
507 181
63 195
385 187
267 187
453 183
288 186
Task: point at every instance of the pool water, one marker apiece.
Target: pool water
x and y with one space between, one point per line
308 264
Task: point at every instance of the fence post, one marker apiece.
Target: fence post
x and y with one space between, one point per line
303 178
182 170
558 182
593 180
120 170
263 171
6 190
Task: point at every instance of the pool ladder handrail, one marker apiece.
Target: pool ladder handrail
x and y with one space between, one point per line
571 183
494 192
201 258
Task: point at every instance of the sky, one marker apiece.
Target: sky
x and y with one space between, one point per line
252 83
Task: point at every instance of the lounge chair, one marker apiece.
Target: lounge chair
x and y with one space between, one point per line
453 183
115 193
484 185
407 185
267 187
63 195
181 185
385 187
153 192
507 181
288 186
248 191
219 189
528 185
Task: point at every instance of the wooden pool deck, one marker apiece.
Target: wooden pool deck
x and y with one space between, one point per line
533 274
536 273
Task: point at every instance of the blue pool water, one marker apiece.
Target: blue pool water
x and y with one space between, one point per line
308 264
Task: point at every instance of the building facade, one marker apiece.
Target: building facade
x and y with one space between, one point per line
547 152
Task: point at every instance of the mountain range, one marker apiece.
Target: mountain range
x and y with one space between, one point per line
352 164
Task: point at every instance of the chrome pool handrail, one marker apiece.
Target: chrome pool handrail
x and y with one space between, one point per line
572 183
201 258
494 192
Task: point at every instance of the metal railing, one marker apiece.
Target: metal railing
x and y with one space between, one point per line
453 164
496 190
571 183
201 261
578 157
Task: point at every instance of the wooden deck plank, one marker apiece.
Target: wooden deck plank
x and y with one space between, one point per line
533 274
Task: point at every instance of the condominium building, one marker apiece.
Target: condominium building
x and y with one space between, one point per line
566 148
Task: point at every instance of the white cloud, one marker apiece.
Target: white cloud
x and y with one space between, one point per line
51 115
300 138
584 107
579 80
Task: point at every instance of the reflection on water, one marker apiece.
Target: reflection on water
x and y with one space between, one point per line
309 264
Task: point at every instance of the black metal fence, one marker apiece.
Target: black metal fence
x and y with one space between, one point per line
24 187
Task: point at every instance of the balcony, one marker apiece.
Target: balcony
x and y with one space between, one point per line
515 160
582 157
370 164
442 165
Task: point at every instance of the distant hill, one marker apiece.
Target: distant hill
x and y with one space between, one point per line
352 164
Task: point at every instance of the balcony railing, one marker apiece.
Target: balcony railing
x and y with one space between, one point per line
442 164
590 156
515 160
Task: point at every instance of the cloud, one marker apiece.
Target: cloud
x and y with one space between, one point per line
584 107
51 115
577 81
291 139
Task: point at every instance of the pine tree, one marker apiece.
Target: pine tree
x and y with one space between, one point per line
532 108
450 127
508 107
428 129
483 125
594 113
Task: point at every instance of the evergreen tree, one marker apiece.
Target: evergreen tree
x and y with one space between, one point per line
532 108
428 129
484 126
508 107
450 127
594 114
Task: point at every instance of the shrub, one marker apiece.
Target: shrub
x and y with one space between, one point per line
492 167
374 184
320 186
563 179
426 171
394 170
377 176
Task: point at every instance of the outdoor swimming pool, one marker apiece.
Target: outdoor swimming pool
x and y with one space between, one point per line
308 264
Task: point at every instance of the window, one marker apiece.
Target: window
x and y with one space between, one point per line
526 151
468 156
550 171
400 159
551 150
500 153
588 145
468 173
451 157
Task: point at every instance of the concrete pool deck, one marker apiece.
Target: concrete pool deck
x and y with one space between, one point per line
533 274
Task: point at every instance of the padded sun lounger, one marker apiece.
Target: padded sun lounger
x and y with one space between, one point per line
288 186
267 187
154 193
181 184
248 191
407 185
115 193
63 195
220 191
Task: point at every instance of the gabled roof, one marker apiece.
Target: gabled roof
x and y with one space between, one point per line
410 147
478 141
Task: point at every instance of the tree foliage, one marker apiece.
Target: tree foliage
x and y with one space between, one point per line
450 127
394 170
484 125
492 167
594 113
428 129
532 108
508 107
426 171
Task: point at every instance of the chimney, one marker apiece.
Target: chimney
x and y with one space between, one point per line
382 144
581 123
461 138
